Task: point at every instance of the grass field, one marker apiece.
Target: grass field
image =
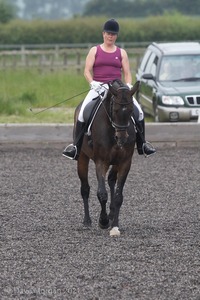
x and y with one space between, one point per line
24 89
26 94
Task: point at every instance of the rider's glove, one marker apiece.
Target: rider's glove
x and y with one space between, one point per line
129 86
95 85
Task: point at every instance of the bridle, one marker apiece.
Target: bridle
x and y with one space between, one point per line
113 100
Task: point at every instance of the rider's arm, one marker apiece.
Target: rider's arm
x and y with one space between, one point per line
126 67
89 62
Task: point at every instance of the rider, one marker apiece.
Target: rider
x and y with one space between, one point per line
105 63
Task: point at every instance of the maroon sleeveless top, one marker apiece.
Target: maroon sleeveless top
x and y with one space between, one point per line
107 66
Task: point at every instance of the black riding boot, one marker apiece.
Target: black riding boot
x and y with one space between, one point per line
72 151
143 147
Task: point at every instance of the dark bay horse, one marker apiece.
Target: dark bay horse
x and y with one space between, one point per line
111 145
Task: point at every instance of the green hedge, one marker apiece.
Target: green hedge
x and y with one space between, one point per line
88 30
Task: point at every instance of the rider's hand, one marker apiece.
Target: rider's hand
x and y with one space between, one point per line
129 86
95 85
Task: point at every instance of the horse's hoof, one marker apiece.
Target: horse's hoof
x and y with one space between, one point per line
115 231
87 223
104 224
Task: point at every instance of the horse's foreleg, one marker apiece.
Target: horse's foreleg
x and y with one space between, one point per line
118 198
83 163
112 177
102 196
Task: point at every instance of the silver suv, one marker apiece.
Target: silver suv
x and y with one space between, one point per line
170 81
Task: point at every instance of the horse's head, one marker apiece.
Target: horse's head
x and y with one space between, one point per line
121 109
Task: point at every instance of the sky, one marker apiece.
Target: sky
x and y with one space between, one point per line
20 4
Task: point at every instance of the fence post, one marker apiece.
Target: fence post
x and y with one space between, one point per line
14 60
52 63
23 55
65 60
56 52
78 62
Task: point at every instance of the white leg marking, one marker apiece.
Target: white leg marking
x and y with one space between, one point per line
115 231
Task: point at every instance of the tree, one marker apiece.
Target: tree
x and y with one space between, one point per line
107 8
7 11
49 9
140 8
65 9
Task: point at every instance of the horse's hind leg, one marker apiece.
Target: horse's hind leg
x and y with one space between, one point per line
83 163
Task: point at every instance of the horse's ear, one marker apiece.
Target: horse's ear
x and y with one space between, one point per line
112 89
135 87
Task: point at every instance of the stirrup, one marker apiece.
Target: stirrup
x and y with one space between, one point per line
73 152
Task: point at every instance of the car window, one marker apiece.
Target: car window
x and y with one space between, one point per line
145 59
179 67
150 62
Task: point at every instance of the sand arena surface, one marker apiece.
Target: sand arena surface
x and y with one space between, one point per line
46 253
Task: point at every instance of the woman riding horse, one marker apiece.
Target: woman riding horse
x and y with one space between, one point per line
110 143
105 63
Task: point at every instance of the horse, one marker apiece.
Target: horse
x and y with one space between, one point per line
111 146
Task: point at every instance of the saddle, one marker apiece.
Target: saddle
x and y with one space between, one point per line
90 112
90 109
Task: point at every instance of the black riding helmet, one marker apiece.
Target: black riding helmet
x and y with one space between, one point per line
111 26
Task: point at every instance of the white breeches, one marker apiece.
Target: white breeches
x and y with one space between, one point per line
92 94
141 114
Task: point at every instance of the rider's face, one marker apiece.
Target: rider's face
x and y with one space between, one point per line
109 37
